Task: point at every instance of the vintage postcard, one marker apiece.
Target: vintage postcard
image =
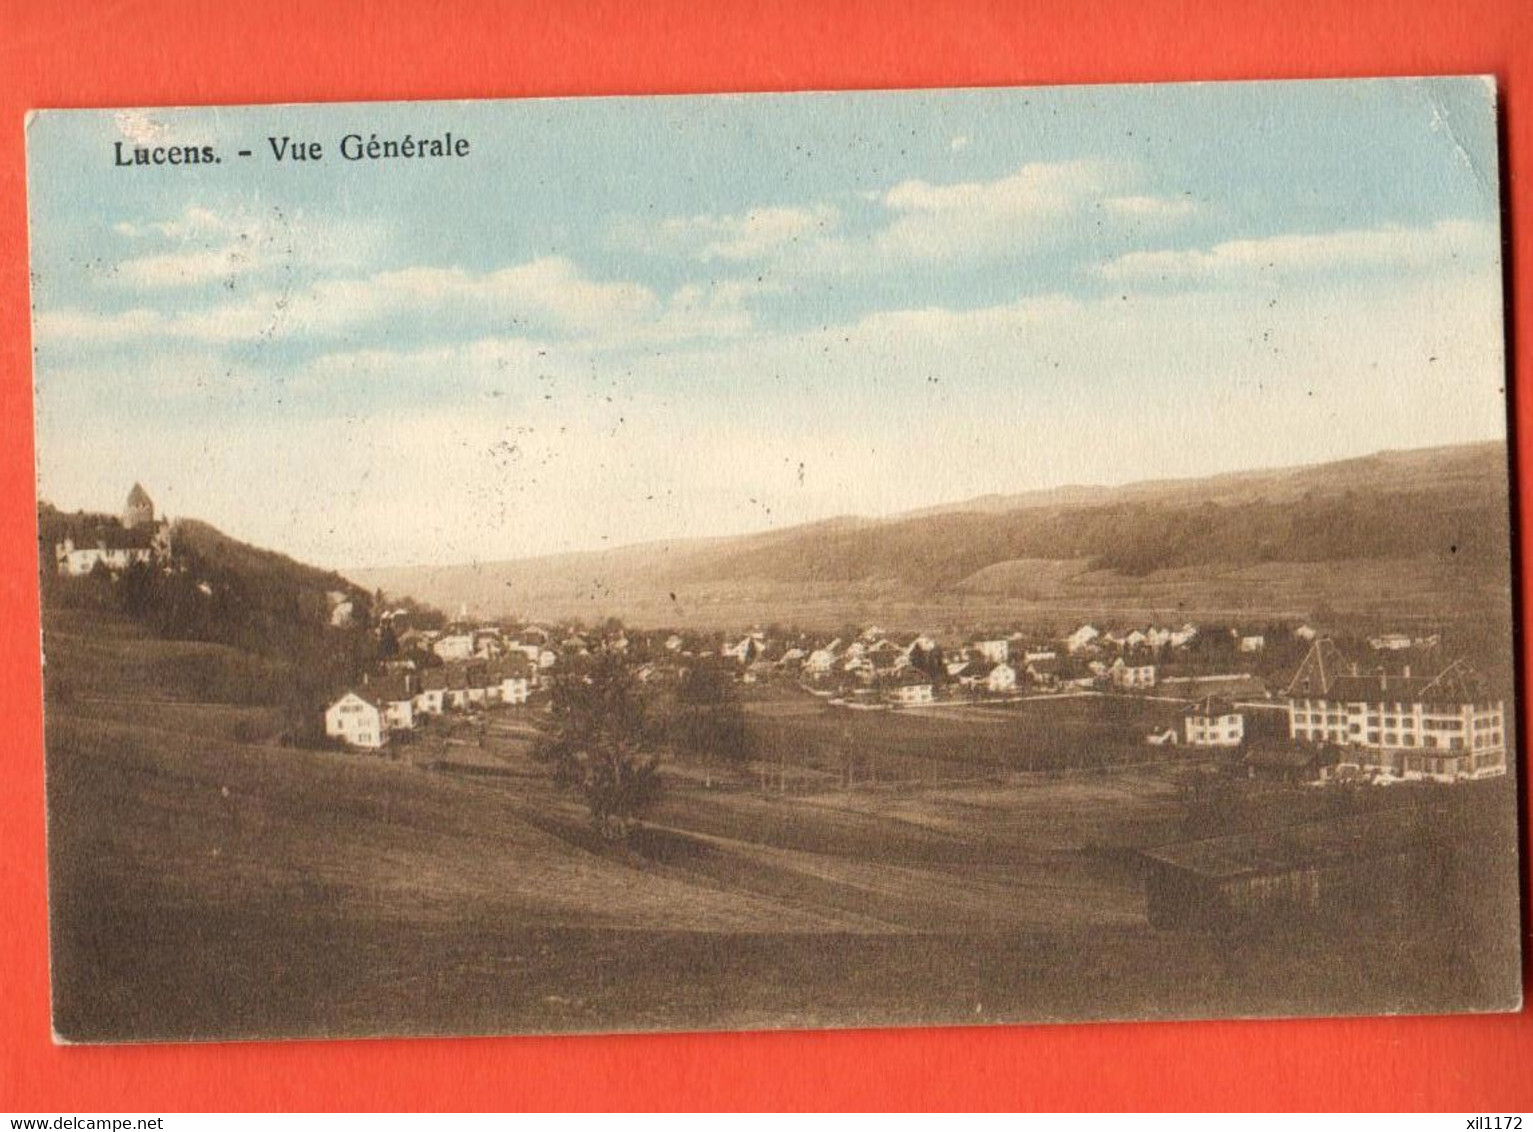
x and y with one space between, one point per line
855 559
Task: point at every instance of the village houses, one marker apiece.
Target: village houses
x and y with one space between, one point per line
401 699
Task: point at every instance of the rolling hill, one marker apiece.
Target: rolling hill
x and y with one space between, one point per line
1416 534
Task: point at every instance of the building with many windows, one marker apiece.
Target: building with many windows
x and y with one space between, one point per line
1439 727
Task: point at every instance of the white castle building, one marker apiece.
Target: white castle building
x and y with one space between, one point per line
140 538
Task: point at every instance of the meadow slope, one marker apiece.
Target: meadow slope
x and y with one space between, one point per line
205 883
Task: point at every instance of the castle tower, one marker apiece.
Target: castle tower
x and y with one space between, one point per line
139 510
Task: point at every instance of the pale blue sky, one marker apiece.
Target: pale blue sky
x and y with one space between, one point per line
625 319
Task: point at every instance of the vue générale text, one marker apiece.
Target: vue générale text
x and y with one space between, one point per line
287 149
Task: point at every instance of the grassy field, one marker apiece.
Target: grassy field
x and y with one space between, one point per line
959 739
206 886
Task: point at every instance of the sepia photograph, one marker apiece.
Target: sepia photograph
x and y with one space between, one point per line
762 561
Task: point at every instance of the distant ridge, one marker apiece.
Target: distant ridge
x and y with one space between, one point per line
1439 515
1464 460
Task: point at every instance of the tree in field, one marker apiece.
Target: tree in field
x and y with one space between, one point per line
599 742
707 720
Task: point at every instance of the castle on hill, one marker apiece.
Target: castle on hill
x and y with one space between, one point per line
138 537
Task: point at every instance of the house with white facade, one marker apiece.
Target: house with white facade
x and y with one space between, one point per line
995 651
820 662
454 646
1214 722
912 691
1001 679
357 721
1082 638
79 561
510 682
1128 677
431 692
393 695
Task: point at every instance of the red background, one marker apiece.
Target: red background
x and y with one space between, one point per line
158 53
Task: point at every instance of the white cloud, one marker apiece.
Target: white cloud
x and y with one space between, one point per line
550 295
469 366
201 246
979 217
917 221
1441 245
83 327
749 235
185 269
75 328
551 288
717 310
